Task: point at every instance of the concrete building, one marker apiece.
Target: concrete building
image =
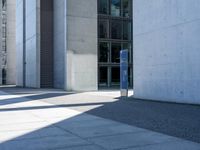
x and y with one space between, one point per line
57 44
0 42
75 44
167 50
8 46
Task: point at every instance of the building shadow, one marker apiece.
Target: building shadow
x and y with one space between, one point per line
20 99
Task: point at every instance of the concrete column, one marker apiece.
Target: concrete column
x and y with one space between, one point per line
19 42
59 42
81 69
167 50
32 55
10 44
28 43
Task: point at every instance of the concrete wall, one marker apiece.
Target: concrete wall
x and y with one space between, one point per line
59 43
0 42
19 42
167 50
81 57
30 47
10 45
33 43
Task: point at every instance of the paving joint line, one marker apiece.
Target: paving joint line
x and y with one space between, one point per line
85 139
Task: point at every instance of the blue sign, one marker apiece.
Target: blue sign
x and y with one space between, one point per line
124 72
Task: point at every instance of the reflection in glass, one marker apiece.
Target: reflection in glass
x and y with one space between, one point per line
115 76
115 50
103 6
103 52
103 76
130 76
114 34
103 29
127 30
116 29
128 47
126 8
115 7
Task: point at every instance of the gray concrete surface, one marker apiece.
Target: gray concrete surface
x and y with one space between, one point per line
81 57
0 42
28 22
59 43
32 35
19 42
10 43
44 126
166 50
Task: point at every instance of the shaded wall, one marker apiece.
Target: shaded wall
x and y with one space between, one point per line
167 50
46 43
59 42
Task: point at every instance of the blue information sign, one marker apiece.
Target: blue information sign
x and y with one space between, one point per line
124 72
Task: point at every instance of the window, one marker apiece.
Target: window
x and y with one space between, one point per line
103 28
103 76
127 30
103 7
116 29
128 47
115 7
103 51
115 52
115 76
114 34
126 8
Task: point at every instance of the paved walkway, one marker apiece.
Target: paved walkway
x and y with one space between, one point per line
30 124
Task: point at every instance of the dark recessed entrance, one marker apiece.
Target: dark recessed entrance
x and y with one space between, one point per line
114 34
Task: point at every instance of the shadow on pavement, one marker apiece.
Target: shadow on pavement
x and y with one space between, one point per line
31 98
176 120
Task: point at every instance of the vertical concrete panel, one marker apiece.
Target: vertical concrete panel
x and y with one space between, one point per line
0 42
166 50
82 44
19 42
10 44
59 43
32 43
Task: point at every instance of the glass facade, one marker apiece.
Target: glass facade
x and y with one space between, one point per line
114 34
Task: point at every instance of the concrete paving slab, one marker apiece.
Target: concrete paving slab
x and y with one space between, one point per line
43 143
55 128
131 139
96 127
23 126
177 145
20 119
83 147
29 134
54 113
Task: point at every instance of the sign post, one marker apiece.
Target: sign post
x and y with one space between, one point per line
124 73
